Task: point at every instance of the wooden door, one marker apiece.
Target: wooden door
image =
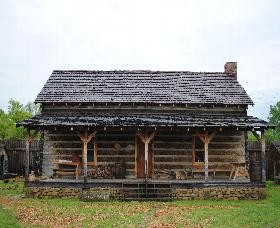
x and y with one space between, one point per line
140 159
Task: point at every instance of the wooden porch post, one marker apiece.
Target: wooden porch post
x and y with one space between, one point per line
27 154
146 138
206 157
206 139
28 138
84 155
85 138
261 140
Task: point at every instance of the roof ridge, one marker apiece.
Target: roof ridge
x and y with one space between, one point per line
137 71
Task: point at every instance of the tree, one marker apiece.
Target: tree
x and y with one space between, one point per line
17 112
274 119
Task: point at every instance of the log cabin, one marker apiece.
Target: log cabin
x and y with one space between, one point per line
117 131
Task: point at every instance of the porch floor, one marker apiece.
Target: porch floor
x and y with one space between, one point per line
120 183
142 180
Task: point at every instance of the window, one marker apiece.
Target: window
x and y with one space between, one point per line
198 151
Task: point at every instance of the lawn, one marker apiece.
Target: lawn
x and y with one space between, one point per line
16 211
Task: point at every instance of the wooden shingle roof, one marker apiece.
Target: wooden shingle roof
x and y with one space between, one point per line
144 120
143 86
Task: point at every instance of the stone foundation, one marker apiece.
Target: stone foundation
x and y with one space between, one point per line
91 194
227 193
101 194
110 193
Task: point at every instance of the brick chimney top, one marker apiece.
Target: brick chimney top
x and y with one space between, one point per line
231 69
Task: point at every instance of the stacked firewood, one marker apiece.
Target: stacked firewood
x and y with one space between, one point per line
102 172
164 174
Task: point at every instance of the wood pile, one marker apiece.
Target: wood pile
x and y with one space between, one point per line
102 172
181 175
164 174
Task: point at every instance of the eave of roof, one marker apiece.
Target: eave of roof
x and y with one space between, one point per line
192 120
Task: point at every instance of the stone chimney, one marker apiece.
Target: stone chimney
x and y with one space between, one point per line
231 69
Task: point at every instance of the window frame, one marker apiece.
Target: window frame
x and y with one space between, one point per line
194 163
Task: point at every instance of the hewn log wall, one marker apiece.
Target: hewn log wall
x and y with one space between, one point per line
59 145
227 147
114 147
173 150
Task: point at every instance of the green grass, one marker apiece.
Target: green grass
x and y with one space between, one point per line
7 219
11 188
72 213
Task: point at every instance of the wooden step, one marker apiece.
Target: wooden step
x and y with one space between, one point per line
146 191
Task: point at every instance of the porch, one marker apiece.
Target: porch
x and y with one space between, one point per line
183 147
145 189
160 155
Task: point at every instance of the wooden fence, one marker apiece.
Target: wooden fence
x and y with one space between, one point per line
15 150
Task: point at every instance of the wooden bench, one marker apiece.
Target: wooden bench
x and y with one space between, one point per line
214 171
234 171
66 168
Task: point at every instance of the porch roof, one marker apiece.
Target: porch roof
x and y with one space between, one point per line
144 120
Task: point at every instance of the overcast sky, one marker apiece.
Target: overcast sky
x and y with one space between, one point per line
38 36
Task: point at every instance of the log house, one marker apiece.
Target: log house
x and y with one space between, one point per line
156 126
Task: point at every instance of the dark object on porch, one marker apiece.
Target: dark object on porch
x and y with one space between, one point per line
120 169
75 157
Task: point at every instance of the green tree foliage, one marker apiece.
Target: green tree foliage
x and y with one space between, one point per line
17 112
274 118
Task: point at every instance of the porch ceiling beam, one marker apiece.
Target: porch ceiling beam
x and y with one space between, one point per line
145 137
205 137
141 136
211 136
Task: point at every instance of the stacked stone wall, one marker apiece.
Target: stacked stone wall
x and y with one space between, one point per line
227 193
110 193
83 194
